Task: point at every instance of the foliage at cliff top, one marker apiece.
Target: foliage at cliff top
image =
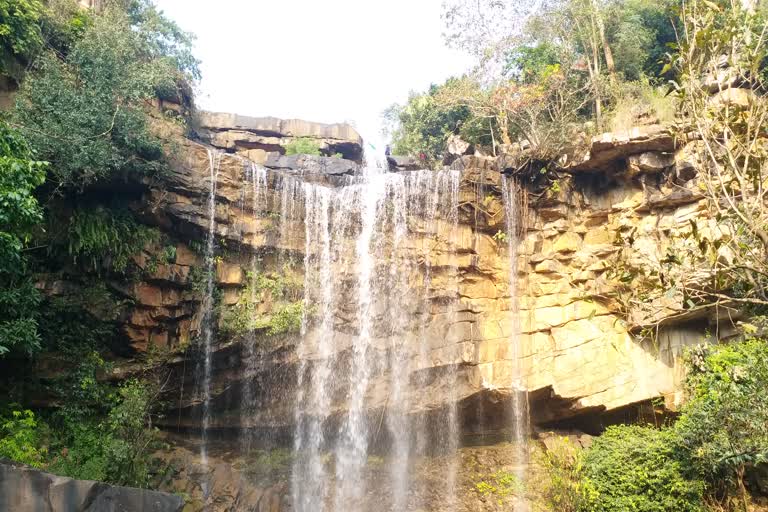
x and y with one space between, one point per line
547 73
83 109
303 146
20 35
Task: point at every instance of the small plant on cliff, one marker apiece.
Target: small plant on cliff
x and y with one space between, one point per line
303 146
500 237
558 482
283 311
106 239
500 486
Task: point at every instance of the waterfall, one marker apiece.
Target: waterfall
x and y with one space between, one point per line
256 177
360 248
377 361
207 311
513 206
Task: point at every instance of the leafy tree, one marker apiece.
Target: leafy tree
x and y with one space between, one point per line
424 124
63 24
723 424
638 468
641 33
84 111
20 174
20 35
529 63
725 42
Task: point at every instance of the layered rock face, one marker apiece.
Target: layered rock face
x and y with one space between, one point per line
255 137
581 349
603 313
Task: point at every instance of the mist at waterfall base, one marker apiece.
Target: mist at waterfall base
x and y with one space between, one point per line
367 410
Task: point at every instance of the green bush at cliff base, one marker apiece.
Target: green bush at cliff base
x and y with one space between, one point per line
723 426
640 469
20 175
557 480
22 436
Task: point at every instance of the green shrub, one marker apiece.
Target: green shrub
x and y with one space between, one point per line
20 35
639 468
285 313
500 486
558 481
20 175
303 146
116 448
21 436
723 424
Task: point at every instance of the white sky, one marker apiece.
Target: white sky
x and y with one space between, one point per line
327 61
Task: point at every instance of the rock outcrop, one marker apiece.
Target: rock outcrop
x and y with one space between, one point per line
255 137
24 489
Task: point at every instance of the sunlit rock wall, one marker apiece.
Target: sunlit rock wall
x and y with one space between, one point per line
584 351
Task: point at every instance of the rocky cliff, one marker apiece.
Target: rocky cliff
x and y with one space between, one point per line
564 302
582 350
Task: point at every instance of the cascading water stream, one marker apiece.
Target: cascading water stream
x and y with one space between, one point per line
359 249
256 177
511 195
381 290
207 312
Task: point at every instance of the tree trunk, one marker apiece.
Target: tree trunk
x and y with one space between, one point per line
598 16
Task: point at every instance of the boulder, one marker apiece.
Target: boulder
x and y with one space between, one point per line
311 164
24 489
457 146
610 148
403 163
649 162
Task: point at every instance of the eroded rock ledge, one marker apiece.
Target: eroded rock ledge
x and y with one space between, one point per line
255 137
